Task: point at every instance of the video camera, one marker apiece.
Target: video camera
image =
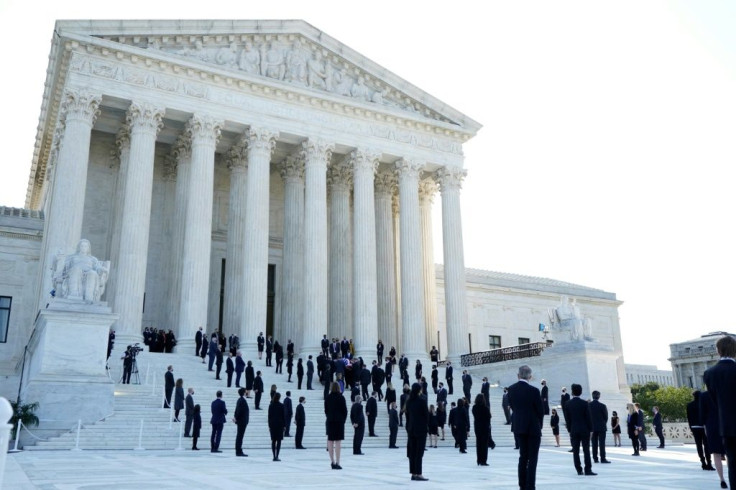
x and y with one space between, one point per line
134 349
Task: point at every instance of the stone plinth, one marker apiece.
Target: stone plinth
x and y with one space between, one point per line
66 372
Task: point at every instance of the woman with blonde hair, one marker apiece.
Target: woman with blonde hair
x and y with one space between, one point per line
336 411
632 422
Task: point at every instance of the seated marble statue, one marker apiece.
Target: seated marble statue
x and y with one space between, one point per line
569 319
82 277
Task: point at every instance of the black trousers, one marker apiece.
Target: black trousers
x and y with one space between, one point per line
188 425
299 435
481 447
238 374
218 368
372 426
580 439
287 426
258 399
309 380
730 444
700 444
528 455
635 444
268 358
415 450
449 386
299 381
215 437
660 434
393 432
239 438
358 438
599 440
229 379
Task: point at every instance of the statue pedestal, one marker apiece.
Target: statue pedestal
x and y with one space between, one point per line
66 372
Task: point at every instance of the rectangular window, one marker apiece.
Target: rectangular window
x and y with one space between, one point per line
4 317
523 340
494 341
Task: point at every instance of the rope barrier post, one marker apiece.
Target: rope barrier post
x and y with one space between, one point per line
79 429
17 438
171 413
181 431
140 439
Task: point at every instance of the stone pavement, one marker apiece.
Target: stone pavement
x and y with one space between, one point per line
675 467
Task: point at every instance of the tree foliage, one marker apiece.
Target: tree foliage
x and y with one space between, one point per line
672 402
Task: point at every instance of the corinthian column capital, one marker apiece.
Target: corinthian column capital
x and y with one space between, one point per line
317 151
450 178
365 159
204 128
340 175
237 155
145 117
81 105
408 167
292 168
183 147
427 189
262 138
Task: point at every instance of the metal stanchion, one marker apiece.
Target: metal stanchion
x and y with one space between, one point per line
171 412
140 439
79 429
181 431
17 438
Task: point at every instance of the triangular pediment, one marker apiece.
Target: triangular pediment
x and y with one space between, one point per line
281 52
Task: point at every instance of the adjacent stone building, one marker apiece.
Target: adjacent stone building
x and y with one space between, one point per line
691 358
641 374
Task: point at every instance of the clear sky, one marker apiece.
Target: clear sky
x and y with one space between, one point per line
607 153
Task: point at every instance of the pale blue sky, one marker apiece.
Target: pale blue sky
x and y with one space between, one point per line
608 140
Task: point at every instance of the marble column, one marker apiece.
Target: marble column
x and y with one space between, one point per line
121 158
413 332
339 179
182 151
261 142
396 217
427 190
292 270
64 219
365 162
450 180
145 121
235 252
204 132
317 154
385 183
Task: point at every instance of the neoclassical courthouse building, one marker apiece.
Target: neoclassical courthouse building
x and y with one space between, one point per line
250 176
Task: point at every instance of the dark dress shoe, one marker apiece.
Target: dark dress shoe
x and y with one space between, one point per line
276 459
580 472
482 464
242 455
195 449
419 478
605 461
590 473
359 454
595 460
660 447
723 484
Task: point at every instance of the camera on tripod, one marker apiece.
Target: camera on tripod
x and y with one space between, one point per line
134 349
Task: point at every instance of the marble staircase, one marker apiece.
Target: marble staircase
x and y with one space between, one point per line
137 404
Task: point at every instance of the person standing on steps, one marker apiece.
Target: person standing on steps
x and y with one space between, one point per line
288 414
371 411
310 372
657 424
449 377
300 419
276 424
358 420
599 418
250 377
241 418
188 412
299 373
196 426
393 426
336 412
218 410
258 389
527 416
269 350
239 368
229 369
198 341
580 427
417 423
168 386
218 362
261 341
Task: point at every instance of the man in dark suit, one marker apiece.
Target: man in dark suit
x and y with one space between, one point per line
505 406
642 427
310 372
545 397
485 390
218 362
720 380
441 394
365 380
229 369
358 420
289 348
269 350
212 352
188 411
393 426
371 410
219 410
241 417
239 368
288 414
300 419
435 378
695 421
168 385
467 384
198 341
528 414
657 424
261 341
448 377
258 389
325 344
599 417
580 426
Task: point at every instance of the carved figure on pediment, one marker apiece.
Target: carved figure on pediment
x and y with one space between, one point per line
154 44
250 59
344 83
272 62
198 52
330 80
296 64
360 91
80 277
227 55
316 71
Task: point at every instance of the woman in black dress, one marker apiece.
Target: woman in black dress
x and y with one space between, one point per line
250 377
390 396
713 439
554 422
616 429
461 424
178 398
632 422
481 427
417 423
276 424
336 411
441 419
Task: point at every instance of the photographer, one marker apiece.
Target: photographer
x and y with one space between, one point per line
127 358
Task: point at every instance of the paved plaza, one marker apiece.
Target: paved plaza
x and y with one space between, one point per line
675 467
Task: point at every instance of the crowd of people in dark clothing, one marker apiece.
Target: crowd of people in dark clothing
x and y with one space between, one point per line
159 340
